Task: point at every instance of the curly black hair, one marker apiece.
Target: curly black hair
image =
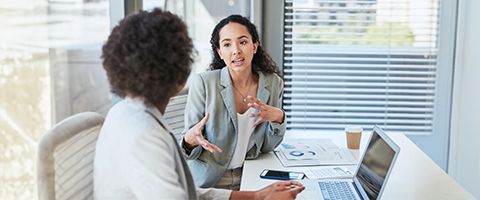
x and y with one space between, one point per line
261 60
148 55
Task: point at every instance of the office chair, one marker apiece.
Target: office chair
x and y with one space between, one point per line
175 112
65 158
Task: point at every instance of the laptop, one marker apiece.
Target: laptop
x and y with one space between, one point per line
370 176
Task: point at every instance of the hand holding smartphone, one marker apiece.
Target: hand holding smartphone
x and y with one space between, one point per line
281 175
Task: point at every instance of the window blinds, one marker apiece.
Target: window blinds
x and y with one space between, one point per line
362 62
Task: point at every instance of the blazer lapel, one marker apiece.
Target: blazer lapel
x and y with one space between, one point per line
263 93
227 96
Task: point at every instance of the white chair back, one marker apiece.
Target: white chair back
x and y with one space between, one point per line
175 112
65 158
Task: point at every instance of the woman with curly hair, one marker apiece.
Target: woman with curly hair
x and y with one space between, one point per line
147 58
233 111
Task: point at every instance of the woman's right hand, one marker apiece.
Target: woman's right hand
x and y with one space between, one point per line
280 190
194 137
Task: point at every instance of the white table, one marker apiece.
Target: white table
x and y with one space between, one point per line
414 176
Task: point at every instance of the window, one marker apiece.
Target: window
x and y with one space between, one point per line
201 17
50 68
362 62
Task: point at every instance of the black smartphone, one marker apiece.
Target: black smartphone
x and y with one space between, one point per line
281 175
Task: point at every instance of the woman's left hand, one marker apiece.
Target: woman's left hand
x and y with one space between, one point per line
265 112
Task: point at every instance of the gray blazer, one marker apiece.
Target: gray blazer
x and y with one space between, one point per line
212 92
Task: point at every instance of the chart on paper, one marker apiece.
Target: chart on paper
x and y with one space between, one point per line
313 152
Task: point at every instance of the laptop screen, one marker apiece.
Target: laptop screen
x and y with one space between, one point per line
374 166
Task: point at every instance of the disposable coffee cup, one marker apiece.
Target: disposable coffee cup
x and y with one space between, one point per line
354 134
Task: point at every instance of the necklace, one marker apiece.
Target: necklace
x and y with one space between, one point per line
246 94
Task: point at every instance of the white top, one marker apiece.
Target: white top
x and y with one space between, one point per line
244 138
136 158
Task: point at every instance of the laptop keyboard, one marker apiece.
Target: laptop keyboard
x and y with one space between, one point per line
336 190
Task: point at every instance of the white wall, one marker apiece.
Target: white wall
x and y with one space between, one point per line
464 163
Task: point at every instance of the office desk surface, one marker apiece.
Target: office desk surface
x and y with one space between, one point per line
414 176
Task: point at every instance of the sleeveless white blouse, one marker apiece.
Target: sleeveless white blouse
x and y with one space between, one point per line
244 138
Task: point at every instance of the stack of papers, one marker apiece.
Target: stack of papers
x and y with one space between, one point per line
313 152
328 173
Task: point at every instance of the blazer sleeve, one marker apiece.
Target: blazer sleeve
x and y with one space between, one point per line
152 175
275 131
213 194
194 112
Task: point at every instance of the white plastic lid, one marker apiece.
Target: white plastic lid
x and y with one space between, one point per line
353 128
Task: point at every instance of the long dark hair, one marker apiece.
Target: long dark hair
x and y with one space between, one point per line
261 60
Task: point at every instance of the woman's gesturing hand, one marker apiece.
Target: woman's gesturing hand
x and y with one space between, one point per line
194 137
265 112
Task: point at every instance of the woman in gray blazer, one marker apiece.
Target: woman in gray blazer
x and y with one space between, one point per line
240 99
147 58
